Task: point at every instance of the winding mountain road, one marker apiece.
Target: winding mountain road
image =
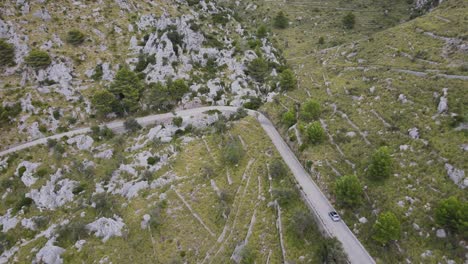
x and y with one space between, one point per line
315 199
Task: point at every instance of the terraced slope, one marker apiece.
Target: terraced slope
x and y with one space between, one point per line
403 87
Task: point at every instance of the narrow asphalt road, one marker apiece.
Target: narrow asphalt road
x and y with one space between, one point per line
316 200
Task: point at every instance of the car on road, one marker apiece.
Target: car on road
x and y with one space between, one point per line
334 216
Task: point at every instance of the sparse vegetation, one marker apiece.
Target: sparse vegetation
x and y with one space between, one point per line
75 37
132 125
38 59
386 228
380 164
288 80
349 20
281 21
315 133
7 53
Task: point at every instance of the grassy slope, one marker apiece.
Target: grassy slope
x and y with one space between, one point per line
419 172
180 237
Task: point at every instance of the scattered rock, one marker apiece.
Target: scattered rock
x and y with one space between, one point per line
49 254
107 227
55 193
413 133
440 233
83 142
456 175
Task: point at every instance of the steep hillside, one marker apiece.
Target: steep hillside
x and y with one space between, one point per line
403 87
77 61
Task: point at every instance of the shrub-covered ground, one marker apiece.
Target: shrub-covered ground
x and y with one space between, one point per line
389 81
205 196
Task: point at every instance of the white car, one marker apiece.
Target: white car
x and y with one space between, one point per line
334 216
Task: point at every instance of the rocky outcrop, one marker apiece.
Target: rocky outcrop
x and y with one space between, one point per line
107 227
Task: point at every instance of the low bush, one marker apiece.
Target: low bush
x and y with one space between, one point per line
132 125
38 59
7 53
75 37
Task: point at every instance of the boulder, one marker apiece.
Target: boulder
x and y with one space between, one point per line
107 227
440 233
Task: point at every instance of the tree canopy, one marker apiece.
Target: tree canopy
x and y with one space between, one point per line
127 88
380 164
348 190
288 80
315 133
452 214
386 228
281 21
310 110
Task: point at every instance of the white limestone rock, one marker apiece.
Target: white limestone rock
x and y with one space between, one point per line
413 133
42 14
54 193
440 233
146 219
105 154
8 221
443 105
362 220
456 175
83 142
107 227
28 223
79 244
27 176
49 254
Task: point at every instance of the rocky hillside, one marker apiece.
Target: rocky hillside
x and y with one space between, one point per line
66 58
382 102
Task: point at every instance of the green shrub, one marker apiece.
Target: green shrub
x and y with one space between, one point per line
321 41
21 171
177 89
283 196
348 190
254 103
289 118
70 233
278 169
258 69
451 213
75 37
132 125
262 32
349 20
301 223
310 110
9 112
315 133
380 164
38 59
331 251
386 228
24 202
153 160
7 54
233 152
105 205
177 121
287 80
127 88
98 73
281 21
104 102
